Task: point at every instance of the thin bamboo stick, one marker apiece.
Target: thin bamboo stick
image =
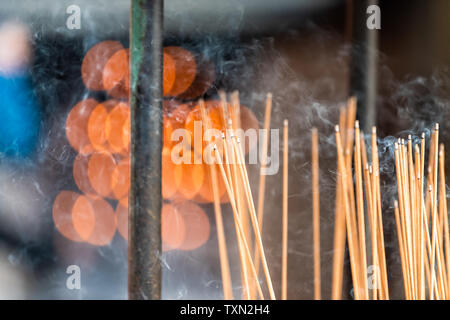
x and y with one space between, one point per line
262 175
422 242
445 215
284 269
235 116
360 210
352 239
316 212
377 292
381 249
339 228
401 247
240 231
433 198
253 218
223 255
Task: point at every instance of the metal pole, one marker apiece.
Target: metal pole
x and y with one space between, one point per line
146 45
364 76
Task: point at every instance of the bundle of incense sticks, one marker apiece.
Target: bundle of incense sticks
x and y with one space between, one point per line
421 218
420 215
229 158
351 208
355 178
357 198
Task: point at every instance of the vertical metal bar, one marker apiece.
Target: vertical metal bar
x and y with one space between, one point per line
146 38
364 61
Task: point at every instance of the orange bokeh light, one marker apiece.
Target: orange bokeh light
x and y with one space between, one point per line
94 62
185 69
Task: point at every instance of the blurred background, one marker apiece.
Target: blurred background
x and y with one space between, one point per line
307 53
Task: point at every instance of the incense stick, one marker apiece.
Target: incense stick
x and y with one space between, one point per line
352 240
339 228
360 210
237 220
316 212
262 175
253 218
285 213
223 255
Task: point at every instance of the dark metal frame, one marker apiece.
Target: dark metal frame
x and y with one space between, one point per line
146 47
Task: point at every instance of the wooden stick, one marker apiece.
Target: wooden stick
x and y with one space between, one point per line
352 239
418 226
377 292
284 263
235 115
339 228
411 190
262 175
406 214
253 218
381 248
442 224
240 206
316 212
401 223
348 151
422 246
445 215
433 199
223 255
237 220
401 248
230 119
360 210
247 289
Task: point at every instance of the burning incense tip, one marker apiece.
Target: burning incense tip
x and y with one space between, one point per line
285 122
437 126
423 135
409 137
396 146
215 147
396 204
356 124
430 188
269 95
336 128
374 130
370 169
367 166
314 130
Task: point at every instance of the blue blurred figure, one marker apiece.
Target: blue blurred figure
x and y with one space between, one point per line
19 111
